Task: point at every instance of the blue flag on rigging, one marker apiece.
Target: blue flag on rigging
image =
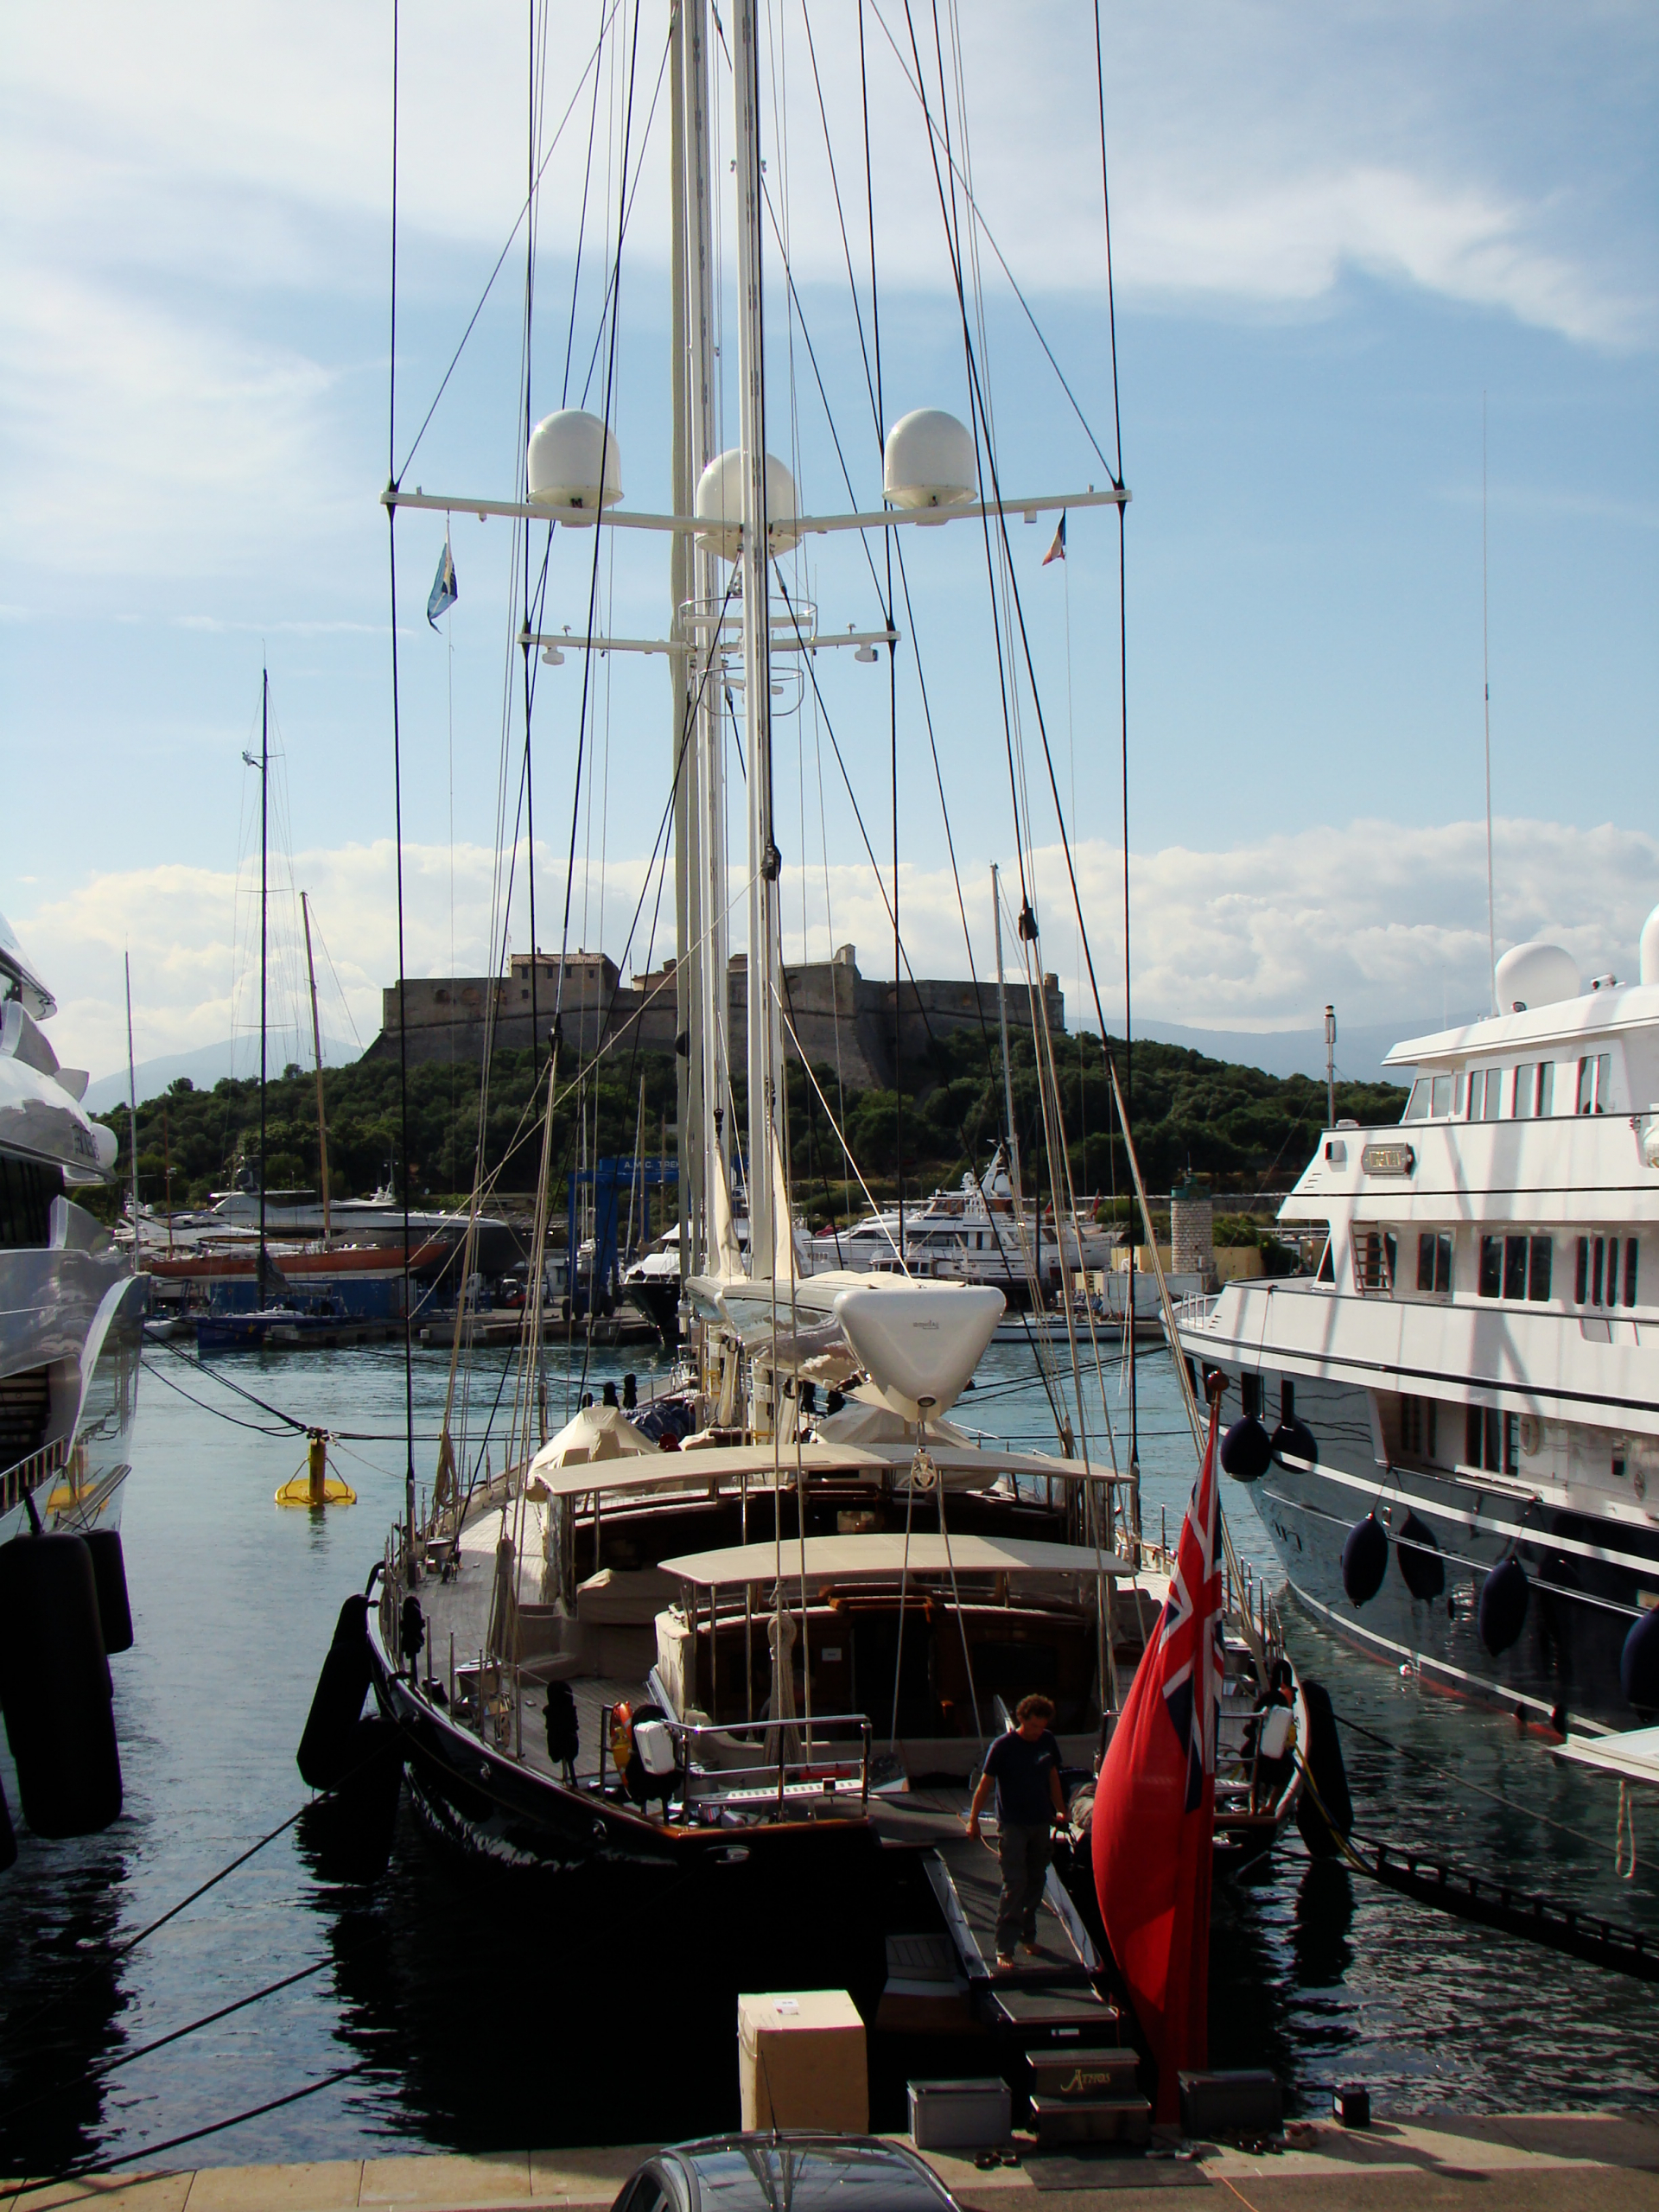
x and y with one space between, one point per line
1057 550
445 591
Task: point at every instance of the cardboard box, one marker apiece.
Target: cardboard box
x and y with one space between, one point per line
801 2061
960 2115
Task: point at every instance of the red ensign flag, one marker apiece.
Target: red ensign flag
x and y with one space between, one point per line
1155 1804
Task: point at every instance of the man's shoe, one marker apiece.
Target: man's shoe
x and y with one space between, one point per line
1004 1964
1033 1950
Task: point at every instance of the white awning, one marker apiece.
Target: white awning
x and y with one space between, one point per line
882 1556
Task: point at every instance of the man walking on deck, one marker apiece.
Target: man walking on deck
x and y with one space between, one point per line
1024 1766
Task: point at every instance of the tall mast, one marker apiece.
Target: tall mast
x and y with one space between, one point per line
765 1018
317 1047
686 1074
1008 1075
706 853
132 1115
264 843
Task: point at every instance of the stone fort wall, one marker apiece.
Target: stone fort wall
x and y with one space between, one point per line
840 1016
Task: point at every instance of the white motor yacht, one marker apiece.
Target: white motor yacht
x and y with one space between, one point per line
71 1335
1463 1473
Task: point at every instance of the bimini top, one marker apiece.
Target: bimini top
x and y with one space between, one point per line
879 1557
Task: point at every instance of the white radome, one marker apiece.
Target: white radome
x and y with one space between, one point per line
564 463
1535 975
928 461
719 503
1648 953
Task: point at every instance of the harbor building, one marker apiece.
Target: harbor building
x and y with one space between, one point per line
843 1019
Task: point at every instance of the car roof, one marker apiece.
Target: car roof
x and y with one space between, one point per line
831 2172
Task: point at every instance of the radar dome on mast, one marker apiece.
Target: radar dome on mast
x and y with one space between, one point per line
929 462
719 506
1648 950
565 469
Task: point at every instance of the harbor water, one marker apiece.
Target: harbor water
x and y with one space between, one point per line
442 2013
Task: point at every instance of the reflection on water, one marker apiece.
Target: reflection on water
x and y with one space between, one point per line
488 2017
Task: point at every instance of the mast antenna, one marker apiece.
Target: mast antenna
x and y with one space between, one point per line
132 1117
1486 695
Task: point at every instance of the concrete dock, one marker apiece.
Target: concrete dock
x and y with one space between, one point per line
1579 2161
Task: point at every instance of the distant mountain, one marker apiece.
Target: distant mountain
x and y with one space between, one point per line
205 1067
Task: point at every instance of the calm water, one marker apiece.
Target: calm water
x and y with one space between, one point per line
478 2020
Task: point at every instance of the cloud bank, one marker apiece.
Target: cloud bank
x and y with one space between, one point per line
1388 922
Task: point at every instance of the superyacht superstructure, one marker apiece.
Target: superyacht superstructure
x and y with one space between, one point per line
1463 1473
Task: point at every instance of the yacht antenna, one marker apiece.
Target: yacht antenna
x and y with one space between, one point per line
317 1047
1330 1067
132 1114
264 846
1486 694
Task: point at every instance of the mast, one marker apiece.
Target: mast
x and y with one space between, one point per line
687 1073
265 845
764 1017
1008 1076
317 1047
1330 1067
132 1117
1486 695
706 918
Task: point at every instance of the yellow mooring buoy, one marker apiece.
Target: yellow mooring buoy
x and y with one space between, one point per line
314 1484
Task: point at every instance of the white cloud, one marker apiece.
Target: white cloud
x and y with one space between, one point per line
159 208
1389 922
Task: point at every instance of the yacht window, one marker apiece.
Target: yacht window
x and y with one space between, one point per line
1417 1426
1515 1267
1477 1092
1375 1253
1540 1253
1491 1266
1457 1104
1435 1261
27 1190
1546 1089
1630 1249
1326 1271
1582 1274
1484 1439
1417 1105
1511 1455
1594 1086
1493 1101
1441 1108
1595 1291
1526 1085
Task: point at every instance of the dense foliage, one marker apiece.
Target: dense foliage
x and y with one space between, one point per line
1234 1126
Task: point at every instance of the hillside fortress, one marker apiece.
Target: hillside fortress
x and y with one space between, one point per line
844 1020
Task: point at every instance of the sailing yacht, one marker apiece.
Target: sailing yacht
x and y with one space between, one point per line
1463 1474
729 1640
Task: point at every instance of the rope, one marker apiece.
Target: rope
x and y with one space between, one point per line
1624 1840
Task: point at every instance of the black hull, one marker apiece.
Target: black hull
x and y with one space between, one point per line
487 1808
660 1304
1564 1665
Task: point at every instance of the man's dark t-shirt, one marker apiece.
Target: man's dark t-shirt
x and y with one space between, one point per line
1020 1771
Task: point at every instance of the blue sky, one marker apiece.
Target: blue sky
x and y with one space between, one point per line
1334 230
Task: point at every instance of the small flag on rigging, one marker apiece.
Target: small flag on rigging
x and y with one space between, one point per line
1057 550
445 591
